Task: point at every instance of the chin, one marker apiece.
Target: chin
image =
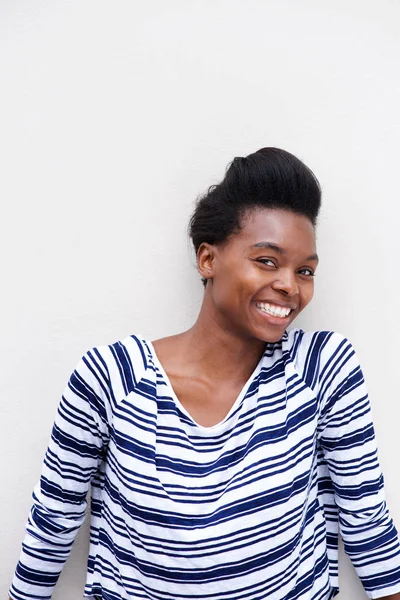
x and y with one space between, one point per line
271 336
275 338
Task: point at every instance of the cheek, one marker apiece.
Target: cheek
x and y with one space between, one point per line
233 286
307 294
224 291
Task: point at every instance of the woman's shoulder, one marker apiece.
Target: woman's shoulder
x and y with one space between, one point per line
311 347
133 347
313 353
300 336
125 361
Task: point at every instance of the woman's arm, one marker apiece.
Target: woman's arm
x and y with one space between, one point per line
346 436
76 448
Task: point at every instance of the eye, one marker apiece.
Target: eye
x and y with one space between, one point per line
266 261
307 272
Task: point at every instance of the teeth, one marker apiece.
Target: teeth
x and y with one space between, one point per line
272 309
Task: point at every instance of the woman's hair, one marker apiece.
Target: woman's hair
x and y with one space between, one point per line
269 178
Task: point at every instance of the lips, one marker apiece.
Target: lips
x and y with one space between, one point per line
275 310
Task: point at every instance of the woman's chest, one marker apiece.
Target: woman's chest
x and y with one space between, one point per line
268 438
206 403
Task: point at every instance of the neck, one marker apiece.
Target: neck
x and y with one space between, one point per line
218 350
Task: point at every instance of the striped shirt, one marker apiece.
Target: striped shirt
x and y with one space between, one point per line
248 509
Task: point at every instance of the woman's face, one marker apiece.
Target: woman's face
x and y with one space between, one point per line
263 277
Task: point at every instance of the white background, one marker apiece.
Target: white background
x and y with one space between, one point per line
114 116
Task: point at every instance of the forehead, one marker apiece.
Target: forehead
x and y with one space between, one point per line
289 230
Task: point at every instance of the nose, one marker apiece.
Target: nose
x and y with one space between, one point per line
286 283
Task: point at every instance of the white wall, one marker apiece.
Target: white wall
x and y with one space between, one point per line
114 116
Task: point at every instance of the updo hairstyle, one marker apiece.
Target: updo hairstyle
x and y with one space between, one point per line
270 178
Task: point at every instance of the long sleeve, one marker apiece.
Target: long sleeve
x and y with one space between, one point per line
77 446
346 435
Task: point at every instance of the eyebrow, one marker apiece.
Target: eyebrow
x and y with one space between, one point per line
280 250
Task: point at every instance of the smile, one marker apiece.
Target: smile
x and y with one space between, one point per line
273 309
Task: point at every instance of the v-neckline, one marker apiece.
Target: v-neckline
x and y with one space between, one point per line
179 404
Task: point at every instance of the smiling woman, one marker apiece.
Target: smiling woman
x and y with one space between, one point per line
265 272
222 460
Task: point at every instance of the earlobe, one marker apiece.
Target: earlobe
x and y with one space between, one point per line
205 260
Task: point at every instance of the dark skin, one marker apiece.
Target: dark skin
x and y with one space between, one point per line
272 259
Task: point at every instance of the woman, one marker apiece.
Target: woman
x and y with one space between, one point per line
222 459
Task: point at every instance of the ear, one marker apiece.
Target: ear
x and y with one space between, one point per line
205 260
